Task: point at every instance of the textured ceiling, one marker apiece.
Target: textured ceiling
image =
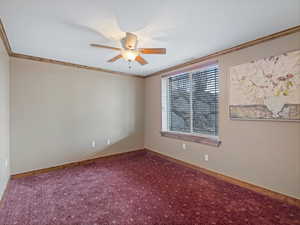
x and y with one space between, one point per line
63 29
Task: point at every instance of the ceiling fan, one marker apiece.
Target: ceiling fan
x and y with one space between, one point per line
130 52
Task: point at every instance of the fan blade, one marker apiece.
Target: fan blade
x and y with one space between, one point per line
105 46
141 60
115 58
153 50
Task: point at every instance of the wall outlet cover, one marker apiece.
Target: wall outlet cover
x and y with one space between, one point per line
206 157
93 144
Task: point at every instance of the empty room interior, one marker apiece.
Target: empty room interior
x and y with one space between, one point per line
161 112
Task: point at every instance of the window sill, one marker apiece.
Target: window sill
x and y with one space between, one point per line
192 138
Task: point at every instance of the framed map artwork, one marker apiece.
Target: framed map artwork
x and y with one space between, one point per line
266 89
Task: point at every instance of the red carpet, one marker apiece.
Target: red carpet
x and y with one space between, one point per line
137 188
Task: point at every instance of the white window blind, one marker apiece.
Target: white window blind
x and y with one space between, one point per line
179 110
190 102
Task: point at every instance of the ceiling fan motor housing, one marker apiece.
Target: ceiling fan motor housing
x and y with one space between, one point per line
130 52
130 41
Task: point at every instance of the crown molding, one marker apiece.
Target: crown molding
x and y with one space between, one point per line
228 50
4 39
9 51
53 61
160 72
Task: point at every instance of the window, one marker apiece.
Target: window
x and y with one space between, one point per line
190 102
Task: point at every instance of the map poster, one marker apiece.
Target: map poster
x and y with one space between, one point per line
266 89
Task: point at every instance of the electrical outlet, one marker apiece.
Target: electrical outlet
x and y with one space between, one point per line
93 144
108 141
206 157
6 163
183 146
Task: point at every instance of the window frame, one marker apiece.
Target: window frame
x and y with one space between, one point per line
192 137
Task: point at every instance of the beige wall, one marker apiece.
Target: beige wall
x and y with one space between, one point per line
56 112
260 152
4 118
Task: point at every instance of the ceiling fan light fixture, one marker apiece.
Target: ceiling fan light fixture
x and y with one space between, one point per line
129 55
130 52
129 41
